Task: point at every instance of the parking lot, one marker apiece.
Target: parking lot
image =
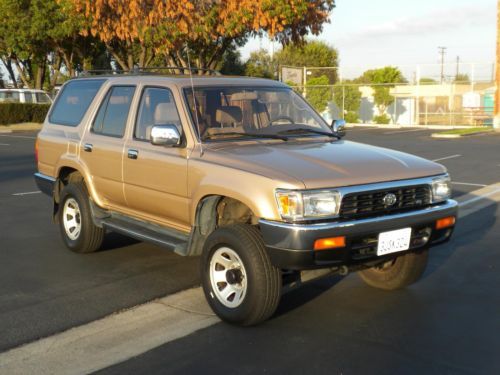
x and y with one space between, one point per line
446 323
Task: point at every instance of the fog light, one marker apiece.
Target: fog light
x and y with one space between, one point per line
445 222
329 243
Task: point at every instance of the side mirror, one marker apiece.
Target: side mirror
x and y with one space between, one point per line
165 135
338 127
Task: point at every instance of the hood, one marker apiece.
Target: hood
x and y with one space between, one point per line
322 164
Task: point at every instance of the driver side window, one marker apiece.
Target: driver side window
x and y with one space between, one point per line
157 107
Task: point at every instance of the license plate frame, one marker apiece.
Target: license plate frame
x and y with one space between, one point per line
393 241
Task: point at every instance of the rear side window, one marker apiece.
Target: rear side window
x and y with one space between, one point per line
73 101
112 116
28 97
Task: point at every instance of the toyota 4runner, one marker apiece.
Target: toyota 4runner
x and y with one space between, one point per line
242 172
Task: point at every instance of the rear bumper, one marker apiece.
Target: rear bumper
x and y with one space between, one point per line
290 246
45 183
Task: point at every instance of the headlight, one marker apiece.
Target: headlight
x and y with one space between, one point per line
441 189
304 205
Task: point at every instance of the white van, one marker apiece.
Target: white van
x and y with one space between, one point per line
24 96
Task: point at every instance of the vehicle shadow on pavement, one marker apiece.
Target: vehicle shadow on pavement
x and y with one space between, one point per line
474 226
306 293
114 241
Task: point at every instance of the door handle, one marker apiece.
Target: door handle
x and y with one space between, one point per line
87 147
133 154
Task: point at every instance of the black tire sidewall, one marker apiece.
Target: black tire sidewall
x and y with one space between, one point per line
77 192
250 258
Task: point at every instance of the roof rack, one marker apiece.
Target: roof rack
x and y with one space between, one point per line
161 70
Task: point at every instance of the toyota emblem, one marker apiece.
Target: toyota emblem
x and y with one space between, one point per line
390 199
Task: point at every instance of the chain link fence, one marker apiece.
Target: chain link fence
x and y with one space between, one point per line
434 95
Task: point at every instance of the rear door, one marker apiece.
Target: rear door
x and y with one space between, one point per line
102 147
155 177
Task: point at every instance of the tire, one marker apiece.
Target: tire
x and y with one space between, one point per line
397 273
78 231
248 289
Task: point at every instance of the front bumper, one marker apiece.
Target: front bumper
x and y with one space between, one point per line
290 246
45 183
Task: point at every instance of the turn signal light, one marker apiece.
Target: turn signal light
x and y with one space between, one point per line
329 243
445 222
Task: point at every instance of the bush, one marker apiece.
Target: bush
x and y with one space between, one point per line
382 119
15 113
351 117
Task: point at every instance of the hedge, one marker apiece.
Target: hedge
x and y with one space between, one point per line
15 113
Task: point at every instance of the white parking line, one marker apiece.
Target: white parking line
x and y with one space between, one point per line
4 144
468 184
27 193
448 157
406 131
126 334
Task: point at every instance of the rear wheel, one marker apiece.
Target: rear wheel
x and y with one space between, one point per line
78 231
239 281
397 273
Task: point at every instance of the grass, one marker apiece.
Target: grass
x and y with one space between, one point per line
468 131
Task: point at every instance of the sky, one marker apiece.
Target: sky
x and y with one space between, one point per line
373 33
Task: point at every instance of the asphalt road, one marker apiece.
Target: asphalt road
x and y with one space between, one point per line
447 323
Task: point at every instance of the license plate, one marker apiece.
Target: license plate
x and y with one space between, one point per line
393 241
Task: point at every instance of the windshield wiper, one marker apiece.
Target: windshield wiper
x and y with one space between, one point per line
248 135
308 130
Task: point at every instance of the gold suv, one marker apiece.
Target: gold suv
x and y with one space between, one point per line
244 173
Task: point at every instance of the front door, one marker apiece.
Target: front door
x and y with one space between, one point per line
155 177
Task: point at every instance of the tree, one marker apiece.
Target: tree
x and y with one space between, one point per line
260 64
312 54
204 28
318 92
2 85
462 78
347 97
427 81
382 80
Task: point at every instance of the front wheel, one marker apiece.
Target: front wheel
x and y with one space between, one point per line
397 273
239 281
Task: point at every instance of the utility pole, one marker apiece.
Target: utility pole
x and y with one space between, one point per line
442 51
458 68
496 118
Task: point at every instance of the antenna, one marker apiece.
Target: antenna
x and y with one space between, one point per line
194 101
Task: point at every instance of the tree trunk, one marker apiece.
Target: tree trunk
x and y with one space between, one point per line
57 70
7 62
21 72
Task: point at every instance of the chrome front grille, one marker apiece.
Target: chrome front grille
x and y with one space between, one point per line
372 203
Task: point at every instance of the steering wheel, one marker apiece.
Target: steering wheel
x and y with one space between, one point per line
282 117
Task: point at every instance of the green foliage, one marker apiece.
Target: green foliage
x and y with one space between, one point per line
347 97
314 54
260 64
318 97
382 119
462 78
15 113
427 81
231 64
383 79
351 117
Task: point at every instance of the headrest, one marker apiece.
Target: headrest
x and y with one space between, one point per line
244 96
165 113
228 115
270 97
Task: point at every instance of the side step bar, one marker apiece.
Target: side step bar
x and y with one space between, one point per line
170 239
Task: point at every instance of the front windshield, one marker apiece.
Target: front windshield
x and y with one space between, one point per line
241 112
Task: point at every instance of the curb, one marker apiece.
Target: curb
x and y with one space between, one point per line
434 127
451 136
20 127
